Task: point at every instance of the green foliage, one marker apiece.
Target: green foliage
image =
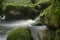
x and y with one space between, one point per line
46 16
20 34
51 14
26 3
21 7
41 1
17 3
51 18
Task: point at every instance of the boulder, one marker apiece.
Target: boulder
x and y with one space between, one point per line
50 16
21 33
23 9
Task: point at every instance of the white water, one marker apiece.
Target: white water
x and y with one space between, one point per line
17 23
3 36
13 24
37 19
22 23
35 31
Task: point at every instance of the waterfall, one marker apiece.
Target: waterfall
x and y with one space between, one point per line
37 19
36 27
17 23
25 23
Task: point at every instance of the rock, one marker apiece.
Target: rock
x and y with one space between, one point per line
22 9
46 34
50 16
21 33
35 31
22 12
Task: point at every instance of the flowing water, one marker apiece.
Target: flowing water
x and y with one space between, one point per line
21 23
13 24
17 23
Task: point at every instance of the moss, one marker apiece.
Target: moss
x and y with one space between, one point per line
51 18
51 15
24 7
17 3
41 1
20 34
45 16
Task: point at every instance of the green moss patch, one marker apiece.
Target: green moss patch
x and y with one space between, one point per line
20 34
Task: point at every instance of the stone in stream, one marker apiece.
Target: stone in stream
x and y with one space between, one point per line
36 30
20 33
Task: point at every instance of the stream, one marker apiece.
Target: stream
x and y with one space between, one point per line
21 23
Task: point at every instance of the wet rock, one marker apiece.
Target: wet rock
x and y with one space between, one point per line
46 34
21 33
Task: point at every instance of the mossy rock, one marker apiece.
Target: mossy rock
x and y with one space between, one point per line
23 2
20 12
18 9
26 3
51 16
20 34
45 15
23 9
